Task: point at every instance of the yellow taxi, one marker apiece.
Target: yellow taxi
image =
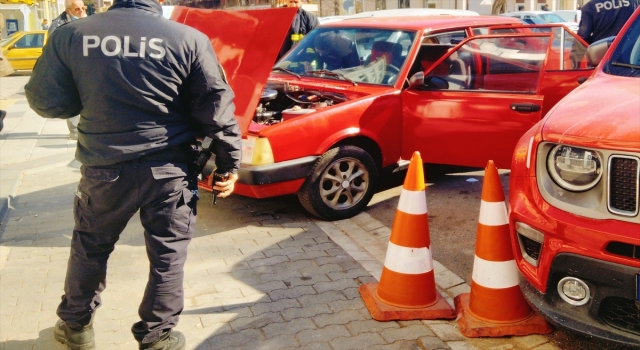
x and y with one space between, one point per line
22 49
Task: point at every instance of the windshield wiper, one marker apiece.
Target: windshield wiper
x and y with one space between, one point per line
627 65
286 71
333 74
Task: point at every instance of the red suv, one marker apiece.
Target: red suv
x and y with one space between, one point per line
574 192
352 99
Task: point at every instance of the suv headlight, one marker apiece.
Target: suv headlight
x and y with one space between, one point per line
574 169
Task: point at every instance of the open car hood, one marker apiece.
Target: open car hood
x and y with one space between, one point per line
246 44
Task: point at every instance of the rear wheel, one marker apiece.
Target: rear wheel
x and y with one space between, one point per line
341 183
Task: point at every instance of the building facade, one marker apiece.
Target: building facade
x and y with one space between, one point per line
28 14
347 7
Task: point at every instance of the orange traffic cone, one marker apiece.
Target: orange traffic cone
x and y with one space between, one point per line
407 288
495 307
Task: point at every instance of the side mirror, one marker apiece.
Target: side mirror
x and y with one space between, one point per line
416 79
597 50
436 83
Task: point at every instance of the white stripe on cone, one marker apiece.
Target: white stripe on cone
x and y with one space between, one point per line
413 202
495 274
493 213
411 261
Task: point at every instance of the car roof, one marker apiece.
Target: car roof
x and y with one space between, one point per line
414 12
532 12
420 22
30 31
329 19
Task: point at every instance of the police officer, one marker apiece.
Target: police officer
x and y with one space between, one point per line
302 24
74 9
145 87
604 18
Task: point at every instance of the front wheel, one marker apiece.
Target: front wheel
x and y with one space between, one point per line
341 183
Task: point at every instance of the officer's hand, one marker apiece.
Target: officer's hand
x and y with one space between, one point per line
225 187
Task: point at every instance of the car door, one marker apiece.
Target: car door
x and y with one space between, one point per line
566 67
477 100
24 52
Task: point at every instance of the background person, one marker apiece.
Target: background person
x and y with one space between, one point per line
74 9
140 117
302 24
604 18
45 24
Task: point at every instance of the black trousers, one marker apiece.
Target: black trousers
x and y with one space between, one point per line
106 198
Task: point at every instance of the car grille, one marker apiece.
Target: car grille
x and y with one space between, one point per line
624 249
623 185
531 247
620 313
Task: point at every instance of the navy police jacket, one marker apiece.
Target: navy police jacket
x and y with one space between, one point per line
141 83
604 18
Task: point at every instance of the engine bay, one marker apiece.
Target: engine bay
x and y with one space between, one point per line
280 101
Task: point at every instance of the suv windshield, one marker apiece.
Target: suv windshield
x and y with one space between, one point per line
358 55
625 60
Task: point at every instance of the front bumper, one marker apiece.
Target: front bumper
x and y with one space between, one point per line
276 172
270 180
611 313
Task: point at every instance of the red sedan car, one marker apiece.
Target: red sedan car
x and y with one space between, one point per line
352 99
574 217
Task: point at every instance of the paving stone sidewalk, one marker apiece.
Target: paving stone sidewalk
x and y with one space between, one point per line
260 275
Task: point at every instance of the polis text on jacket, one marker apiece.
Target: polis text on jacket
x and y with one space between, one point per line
112 45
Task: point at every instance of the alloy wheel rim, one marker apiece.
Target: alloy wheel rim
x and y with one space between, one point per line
344 183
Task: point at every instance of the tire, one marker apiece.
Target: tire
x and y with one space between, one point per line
331 191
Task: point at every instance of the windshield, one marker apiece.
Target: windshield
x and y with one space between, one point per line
625 60
357 55
552 18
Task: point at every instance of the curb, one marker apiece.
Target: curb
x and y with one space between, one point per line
356 239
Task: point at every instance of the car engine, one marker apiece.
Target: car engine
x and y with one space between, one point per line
278 98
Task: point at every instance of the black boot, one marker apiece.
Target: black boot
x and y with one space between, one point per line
171 340
75 338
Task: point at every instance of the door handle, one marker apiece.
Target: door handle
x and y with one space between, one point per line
525 107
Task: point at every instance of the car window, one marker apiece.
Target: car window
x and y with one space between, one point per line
551 18
30 41
567 51
361 55
447 38
501 64
535 20
625 59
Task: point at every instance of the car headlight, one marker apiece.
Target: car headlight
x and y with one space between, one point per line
256 151
574 169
